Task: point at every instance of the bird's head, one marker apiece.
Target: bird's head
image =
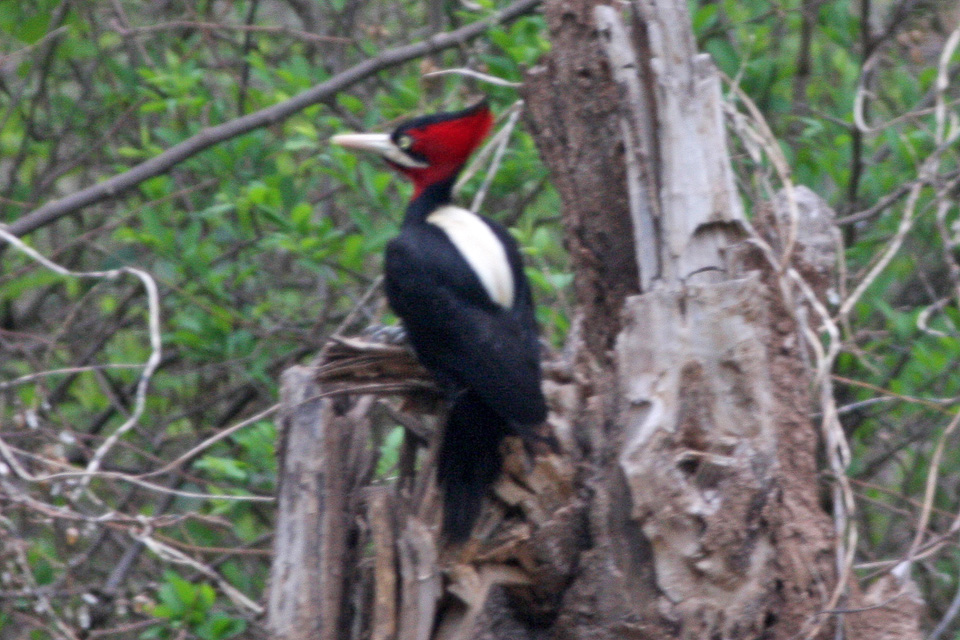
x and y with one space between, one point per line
429 149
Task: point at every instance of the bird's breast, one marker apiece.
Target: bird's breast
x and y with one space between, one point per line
481 248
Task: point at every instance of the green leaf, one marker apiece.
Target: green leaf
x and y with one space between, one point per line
31 29
390 451
351 103
226 468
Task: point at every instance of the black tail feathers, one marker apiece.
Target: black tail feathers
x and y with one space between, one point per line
469 462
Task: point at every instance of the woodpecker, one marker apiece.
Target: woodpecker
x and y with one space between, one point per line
456 281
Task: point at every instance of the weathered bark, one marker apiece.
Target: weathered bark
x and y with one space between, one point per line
891 608
692 477
575 113
324 461
683 498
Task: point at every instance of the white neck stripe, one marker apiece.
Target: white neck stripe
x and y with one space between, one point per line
481 248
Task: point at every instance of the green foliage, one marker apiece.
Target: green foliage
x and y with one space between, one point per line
390 452
190 606
247 461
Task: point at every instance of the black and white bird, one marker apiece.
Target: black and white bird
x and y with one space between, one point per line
456 280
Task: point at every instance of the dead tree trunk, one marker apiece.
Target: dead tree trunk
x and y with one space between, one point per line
699 501
685 502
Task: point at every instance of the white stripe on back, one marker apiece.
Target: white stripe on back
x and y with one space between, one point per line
481 248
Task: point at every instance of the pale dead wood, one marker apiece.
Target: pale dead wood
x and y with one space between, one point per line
380 517
410 566
701 211
295 600
361 365
699 443
322 463
421 582
700 449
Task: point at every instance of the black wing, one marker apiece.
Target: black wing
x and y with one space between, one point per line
459 334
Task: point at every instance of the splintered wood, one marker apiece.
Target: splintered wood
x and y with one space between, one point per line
360 365
359 556
684 179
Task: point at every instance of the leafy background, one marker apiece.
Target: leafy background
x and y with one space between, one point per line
264 245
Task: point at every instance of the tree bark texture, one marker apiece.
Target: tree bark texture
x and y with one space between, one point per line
325 460
682 499
701 515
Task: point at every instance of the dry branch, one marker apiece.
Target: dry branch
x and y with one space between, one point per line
187 25
208 137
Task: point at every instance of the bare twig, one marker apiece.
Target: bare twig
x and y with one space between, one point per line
7 455
481 157
948 617
927 173
153 302
16 382
178 25
173 464
930 488
930 404
43 602
4 59
170 554
348 320
790 283
500 143
485 77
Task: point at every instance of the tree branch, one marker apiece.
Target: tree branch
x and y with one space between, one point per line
210 136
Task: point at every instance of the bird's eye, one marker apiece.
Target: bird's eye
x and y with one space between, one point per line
404 142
